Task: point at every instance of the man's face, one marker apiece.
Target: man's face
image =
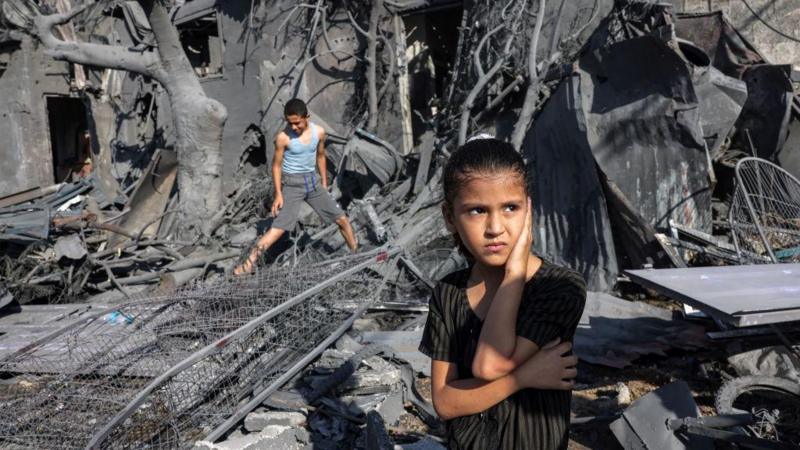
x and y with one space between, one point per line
297 123
488 215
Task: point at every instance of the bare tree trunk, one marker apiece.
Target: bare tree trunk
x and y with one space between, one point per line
372 63
199 121
532 93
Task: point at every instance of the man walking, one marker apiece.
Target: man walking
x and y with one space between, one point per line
299 152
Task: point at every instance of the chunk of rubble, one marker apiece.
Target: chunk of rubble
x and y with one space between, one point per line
257 421
379 375
389 405
773 361
272 437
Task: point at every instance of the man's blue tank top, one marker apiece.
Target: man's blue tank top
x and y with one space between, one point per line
299 157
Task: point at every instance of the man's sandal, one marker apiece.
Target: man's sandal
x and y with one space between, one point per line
245 267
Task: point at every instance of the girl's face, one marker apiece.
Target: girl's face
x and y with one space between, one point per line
488 213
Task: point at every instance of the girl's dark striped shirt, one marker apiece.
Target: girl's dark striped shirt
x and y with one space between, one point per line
551 307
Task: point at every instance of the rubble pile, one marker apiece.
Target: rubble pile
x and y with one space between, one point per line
663 159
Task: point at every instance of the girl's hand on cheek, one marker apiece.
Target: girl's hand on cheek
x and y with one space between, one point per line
517 264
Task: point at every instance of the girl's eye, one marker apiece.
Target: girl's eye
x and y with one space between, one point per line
511 208
475 211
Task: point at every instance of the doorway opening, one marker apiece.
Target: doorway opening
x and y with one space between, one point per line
69 138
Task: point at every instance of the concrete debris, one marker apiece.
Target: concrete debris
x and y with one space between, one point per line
368 381
257 421
287 401
389 405
405 345
772 361
623 394
272 437
70 247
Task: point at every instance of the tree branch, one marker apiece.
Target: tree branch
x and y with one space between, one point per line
355 25
479 85
477 54
61 19
532 93
85 53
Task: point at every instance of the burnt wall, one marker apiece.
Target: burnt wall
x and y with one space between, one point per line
25 149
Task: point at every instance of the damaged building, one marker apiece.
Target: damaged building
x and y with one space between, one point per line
662 140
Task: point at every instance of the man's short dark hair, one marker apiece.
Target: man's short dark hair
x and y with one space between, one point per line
295 107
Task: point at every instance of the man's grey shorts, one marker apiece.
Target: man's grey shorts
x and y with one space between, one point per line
305 187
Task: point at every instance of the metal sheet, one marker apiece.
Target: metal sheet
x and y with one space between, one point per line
628 121
150 198
646 419
28 195
25 226
740 295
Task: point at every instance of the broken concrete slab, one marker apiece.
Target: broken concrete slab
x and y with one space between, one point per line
389 404
773 361
273 437
405 345
379 377
391 408
257 421
346 343
287 401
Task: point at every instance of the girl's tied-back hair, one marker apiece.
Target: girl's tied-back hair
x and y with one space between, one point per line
479 157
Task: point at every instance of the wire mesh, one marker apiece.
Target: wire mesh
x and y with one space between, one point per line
73 385
765 213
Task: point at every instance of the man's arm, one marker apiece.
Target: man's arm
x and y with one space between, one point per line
281 141
322 162
547 369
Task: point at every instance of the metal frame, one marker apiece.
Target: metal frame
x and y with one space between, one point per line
217 346
741 184
280 381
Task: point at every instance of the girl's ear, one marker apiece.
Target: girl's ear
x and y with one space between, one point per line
448 218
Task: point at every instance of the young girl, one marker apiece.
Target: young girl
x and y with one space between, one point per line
497 332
